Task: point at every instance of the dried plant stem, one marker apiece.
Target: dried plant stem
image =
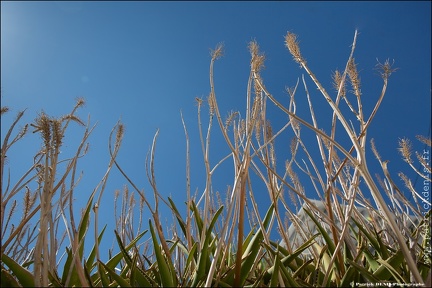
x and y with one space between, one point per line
361 159
188 186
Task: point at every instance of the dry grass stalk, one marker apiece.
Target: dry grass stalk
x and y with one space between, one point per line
340 178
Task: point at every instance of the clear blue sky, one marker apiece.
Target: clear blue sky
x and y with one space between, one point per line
144 62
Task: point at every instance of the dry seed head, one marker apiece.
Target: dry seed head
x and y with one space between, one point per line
293 145
230 118
385 69
290 91
142 202
337 79
257 61
198 101
257 87
272 156
42 124
353 74
374 150
425 140
57 133
29 201
293 198
425 161
253 48
12 210
242 125
125 192
405 179
405 149
325 140
119 134
269 131
256 107
218 52
293 47
40 172
211 102
258 126
132 200
295 124
23 131
4 109
294 177
116 193
80 102
73 118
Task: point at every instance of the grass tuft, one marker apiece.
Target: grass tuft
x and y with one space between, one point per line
350 228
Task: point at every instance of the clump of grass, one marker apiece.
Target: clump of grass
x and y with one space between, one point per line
340 239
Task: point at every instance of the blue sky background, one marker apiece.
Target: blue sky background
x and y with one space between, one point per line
144 62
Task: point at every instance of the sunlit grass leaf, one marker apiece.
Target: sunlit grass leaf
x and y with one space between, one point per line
364 272
113 262
24 276
83 226
197 217
373 240
389 267
323 232
288 260
55 280
88 276
178 217
274 281
67 272
166 276
7 280
91 263
136 274
351 276
203 261
102 274
117 278
252 250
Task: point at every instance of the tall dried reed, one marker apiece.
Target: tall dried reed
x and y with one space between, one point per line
225 241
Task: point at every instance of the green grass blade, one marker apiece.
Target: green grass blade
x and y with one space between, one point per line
251 252
88 277
120 281
103 277
54 279
178 217
203 260
197 217
7 280
164 270
351 275
386 270
24 276
67 266
83 226
286 261
113 262
274 281
323 232
138 277
375 241
90 263
136 273
287 275
364 272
